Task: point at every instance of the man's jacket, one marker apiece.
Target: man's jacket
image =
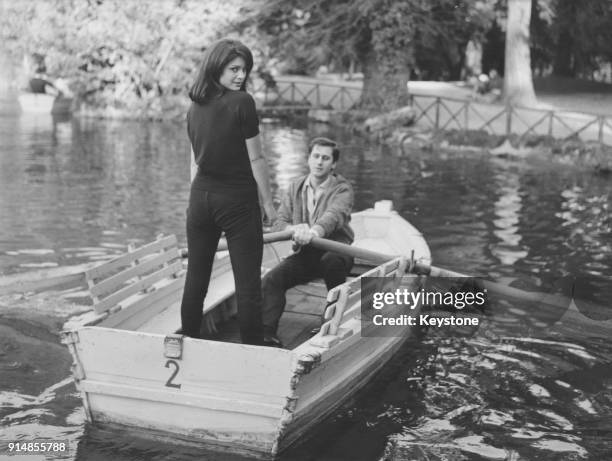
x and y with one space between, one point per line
332 211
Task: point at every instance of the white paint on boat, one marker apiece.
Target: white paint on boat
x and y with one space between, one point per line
41 103
245 398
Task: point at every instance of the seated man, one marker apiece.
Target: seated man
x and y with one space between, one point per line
316 205
40 83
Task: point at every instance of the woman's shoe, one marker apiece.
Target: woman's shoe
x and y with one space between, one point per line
271 340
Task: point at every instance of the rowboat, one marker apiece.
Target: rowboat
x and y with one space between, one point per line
134 372
42 103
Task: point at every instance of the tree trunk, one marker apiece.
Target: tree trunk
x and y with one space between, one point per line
518 80
563 63
384 87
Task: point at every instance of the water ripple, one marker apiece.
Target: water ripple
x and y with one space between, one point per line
81 191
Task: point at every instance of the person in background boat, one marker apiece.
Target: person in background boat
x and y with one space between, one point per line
316 205
231 168
40 83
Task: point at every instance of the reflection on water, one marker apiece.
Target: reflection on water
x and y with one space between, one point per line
512 398
587 215
74 191
292 146
508 211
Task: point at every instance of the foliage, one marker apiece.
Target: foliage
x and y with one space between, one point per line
494 44
385 37
541 39
140 57
428 35
582 35
125 54
440 50
570 38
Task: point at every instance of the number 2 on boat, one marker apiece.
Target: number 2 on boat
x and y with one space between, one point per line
169 383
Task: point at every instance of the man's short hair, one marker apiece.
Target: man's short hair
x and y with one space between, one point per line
327 143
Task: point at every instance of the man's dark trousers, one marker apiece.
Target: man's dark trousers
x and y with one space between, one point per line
301 267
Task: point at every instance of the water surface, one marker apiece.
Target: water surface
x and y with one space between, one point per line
78 191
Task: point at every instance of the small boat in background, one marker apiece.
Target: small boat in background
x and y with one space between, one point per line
43 103
135 373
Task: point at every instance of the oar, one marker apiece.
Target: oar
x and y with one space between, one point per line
65 276
269 237
426 269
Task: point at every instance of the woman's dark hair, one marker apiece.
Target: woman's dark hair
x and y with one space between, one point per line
216 57
327 143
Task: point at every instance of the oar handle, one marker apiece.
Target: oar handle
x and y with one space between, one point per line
267 238
350 250
550 299
418 268
427 269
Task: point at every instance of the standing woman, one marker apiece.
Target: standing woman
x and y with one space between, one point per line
224 132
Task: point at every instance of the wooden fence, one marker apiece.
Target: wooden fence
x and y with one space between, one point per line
448 113
297 93
444 113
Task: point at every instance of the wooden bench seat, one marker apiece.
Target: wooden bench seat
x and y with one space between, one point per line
344 304
128 289
220 291
142 291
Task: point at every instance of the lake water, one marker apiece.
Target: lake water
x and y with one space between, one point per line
517 389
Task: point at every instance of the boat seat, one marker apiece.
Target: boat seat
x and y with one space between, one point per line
219 292
343 309
130 288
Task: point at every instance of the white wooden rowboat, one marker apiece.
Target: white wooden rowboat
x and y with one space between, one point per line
133 372
42 103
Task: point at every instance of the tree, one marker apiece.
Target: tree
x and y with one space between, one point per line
388 39
573 38
136 57
582 35
518 80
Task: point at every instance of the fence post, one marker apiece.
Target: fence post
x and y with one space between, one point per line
508 120
601 129
465 114
437 113
550 123
318 95
292 92
342 98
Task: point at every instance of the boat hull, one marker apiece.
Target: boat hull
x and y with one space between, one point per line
241 399
34 103
220 394
328 386
245 399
